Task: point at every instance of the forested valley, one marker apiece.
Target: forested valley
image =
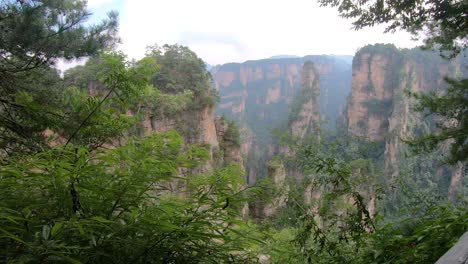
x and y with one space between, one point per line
313 159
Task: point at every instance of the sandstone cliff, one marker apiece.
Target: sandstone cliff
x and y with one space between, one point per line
190 112
304 117
304 120
259 95
379 110
277 192
197 127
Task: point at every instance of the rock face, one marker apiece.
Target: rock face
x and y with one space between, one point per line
179 97
277 174
279 193
229 147
259 96
378 108
304 118
199 127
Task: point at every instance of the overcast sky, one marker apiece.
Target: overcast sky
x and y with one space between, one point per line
221 31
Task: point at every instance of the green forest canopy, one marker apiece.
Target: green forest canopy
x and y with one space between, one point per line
69 198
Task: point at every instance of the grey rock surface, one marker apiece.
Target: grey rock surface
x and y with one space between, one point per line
458 254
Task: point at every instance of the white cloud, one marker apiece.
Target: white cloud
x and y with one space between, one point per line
63 65
225 31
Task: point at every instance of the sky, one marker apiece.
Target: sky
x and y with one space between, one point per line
221 31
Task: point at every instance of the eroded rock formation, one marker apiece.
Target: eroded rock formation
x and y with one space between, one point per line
380 110
259 96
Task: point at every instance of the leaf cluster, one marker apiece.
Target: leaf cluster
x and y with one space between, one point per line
116 206
34 35
451 111
442 23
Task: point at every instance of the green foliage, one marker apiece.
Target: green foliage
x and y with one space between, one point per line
159 103
451 109
94 120
69 199
114 206
34 34
180 70
30 103
441 23
421 239
164 104
172 104
291 215
337 228
231 135
82 76
96 129
385 50
75 201
327 228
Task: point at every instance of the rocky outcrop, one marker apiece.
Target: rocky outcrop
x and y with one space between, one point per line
456 181
304 118
203 128
179 97
259 96
196 122
229 145
379 108
277 175
278 192
303 121
368 87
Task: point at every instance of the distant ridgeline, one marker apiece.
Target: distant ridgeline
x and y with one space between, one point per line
365 96
260 95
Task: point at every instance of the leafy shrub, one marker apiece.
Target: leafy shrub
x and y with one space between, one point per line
114 206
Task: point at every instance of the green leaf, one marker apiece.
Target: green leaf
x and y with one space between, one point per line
166 226
101 219
45 232
11 236
57 227
80 228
